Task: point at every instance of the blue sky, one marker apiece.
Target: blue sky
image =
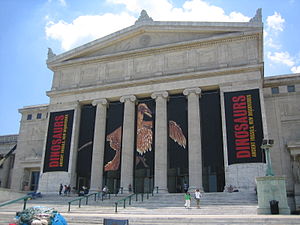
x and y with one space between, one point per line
29 27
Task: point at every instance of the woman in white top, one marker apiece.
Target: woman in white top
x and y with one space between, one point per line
198 195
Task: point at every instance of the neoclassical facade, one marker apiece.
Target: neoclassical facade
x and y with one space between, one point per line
160 104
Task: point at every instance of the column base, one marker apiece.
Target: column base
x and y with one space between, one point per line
161 191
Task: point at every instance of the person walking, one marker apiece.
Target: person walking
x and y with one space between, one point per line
60 188
185 187
198 195
187 197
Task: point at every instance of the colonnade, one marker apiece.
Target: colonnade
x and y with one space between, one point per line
161 140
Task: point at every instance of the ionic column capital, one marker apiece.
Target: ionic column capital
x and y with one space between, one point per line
101 101
125 98
163 94
194 90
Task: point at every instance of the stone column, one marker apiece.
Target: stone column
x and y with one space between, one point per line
128 142
98 145
74 145
161 141
194 138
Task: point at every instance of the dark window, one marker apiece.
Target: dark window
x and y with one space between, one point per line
275 90
39 115
291 88
29 117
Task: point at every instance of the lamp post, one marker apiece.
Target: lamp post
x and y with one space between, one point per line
266 145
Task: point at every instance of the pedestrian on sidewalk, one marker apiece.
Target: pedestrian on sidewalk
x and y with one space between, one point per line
185 187
187 197
198 195
60 188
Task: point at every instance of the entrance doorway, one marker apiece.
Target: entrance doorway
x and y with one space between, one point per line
112 180
83 181
143 181
176 178
34 180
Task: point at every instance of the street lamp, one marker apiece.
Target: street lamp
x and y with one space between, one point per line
266 145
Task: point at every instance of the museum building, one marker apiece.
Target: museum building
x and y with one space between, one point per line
159 104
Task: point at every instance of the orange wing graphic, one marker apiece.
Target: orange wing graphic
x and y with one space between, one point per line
114 163
114 139
176 133
143 140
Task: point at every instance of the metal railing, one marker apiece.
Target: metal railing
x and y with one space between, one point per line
79 199
129 197
97 196
25 199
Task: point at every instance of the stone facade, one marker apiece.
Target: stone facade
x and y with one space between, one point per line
282 107
30 147
7 142
157 60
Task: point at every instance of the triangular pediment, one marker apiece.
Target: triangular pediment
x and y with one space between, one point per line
154 35
153 39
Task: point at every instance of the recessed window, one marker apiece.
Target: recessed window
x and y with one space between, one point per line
39 115
275 90
29 117
291 88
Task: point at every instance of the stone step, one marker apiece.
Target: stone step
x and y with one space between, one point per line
216 208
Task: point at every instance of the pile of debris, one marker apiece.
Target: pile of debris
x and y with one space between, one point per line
38 215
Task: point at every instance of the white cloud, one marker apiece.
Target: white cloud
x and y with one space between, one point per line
89 27
281 57
61 2
295 69
192 10
286 59
86 28
275 22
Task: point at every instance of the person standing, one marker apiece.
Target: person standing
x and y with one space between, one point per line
187 197
185 187
198 195
60 188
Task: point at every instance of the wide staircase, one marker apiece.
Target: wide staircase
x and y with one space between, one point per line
216 208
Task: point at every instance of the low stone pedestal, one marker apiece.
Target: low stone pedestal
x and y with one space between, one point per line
271 188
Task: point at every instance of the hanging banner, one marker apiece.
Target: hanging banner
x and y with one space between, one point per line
144 143
113 146
177 132
85 141
243 126
58 141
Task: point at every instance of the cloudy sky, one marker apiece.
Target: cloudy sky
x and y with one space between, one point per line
29 27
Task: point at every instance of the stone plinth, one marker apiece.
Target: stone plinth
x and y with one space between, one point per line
271 188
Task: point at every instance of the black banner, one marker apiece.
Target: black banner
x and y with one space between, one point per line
144 146
244 126
177 132
58 141
85 141
145 117
113 146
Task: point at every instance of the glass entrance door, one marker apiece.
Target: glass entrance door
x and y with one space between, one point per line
35 175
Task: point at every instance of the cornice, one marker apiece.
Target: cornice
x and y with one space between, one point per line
185 45
161 79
